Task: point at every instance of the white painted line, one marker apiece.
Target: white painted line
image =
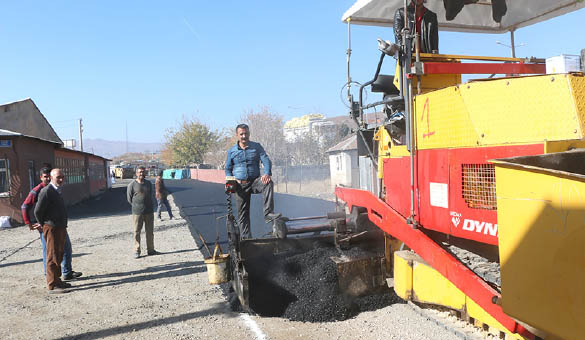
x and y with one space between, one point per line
253 326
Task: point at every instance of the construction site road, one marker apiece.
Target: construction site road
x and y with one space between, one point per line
164 296
204 206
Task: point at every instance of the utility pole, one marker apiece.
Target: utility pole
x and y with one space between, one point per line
80 135
512 45
126 136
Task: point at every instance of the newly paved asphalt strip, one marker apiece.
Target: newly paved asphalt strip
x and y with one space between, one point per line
202 203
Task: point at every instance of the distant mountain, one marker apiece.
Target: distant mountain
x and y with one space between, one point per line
109 149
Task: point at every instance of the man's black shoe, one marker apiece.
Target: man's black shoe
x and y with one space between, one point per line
63 285
154 252
72 275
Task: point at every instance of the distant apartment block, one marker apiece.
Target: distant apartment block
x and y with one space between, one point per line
314 123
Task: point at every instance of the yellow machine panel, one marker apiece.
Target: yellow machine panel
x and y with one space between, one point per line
403 262
442 120
441 291
387 149
541 220
564 145
429 82
503 111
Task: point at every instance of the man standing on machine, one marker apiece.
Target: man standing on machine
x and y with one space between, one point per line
243 163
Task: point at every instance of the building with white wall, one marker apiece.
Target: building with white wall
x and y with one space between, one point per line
343 163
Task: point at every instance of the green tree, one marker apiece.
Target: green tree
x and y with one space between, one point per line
190 141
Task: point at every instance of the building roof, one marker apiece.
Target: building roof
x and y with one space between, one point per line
8 133
350 143
64 149
23 116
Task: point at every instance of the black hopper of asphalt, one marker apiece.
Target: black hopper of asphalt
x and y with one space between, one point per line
303 286
298 285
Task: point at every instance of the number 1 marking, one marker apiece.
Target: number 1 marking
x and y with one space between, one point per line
427 111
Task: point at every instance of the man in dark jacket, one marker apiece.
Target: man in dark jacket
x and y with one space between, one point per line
27 210
51 213
425 22
139 195
243 163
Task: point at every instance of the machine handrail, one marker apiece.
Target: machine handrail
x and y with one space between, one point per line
453 57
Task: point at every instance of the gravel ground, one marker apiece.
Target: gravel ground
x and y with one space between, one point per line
160 297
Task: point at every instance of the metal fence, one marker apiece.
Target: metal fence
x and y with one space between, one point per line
302 179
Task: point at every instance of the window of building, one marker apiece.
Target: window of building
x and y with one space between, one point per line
96 171
4 178
339 162
72 168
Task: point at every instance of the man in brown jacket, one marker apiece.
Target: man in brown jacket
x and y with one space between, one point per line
161 196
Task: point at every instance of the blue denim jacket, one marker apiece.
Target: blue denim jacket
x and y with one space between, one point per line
244 164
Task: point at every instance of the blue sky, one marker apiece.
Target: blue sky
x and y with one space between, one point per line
149 63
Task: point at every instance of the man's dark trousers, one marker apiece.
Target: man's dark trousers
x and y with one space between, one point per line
243 195
55 237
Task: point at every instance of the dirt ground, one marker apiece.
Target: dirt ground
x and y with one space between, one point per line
158 297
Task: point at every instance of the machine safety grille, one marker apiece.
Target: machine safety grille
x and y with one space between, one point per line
479 186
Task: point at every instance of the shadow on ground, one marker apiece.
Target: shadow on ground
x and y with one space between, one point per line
103 333
110 203
147 274
39 260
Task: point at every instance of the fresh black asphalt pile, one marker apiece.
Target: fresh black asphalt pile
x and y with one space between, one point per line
303 287
297 286
484 268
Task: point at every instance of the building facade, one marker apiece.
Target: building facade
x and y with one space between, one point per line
21 158
343 163
314 123
31 144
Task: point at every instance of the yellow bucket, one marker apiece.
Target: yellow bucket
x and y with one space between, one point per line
217 266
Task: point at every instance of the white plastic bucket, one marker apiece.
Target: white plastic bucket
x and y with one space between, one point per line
217 267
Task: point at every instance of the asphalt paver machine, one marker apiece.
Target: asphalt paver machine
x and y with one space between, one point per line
490 168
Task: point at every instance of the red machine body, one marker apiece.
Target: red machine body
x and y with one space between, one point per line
468 217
